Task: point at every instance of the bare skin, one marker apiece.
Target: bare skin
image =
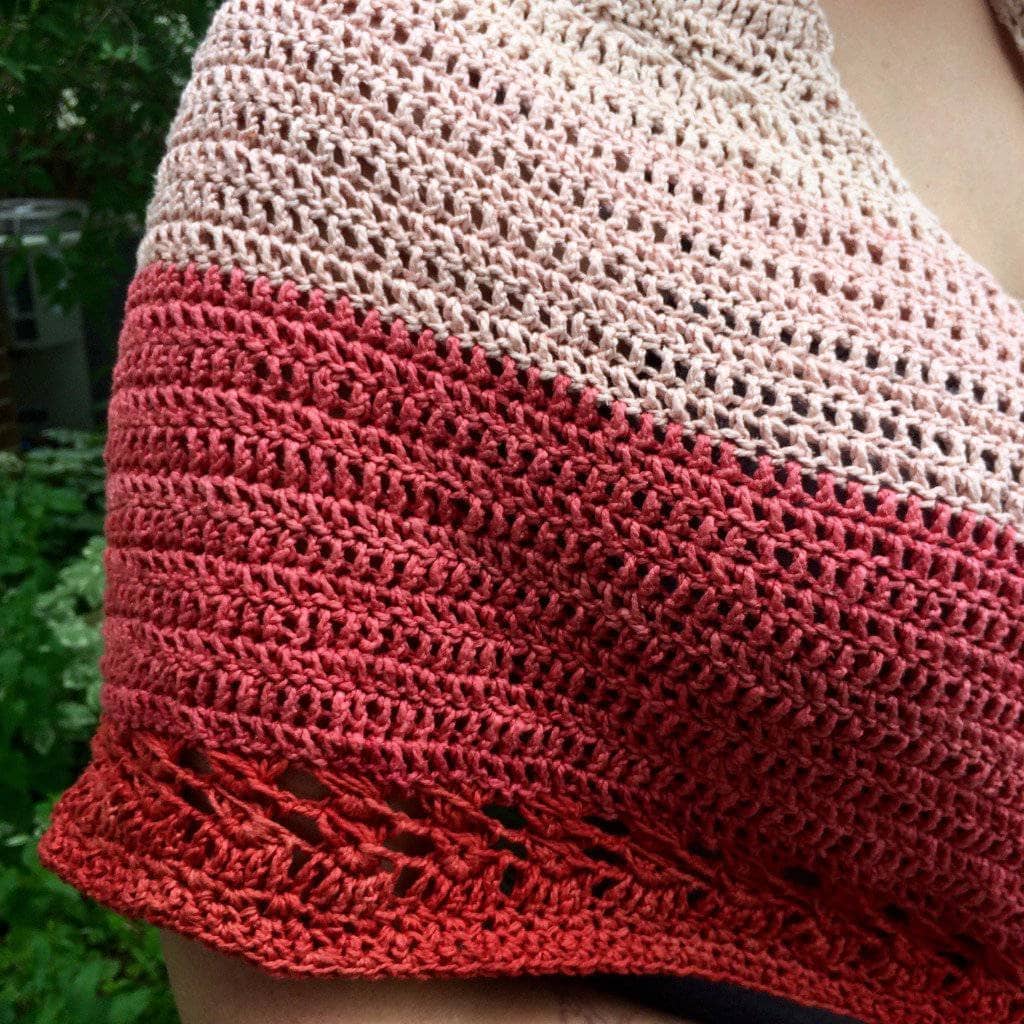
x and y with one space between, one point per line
942 86
944 91
214 989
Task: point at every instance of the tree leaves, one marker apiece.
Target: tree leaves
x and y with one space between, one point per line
87 92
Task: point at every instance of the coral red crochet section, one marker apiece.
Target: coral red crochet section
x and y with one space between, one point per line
422 662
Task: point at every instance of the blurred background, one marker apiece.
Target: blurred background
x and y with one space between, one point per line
87 93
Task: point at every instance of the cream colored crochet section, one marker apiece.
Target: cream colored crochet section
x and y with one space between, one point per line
672 203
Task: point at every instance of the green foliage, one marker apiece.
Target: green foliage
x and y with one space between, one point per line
50 592
62 959
87 92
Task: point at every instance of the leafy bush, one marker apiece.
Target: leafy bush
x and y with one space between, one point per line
63 959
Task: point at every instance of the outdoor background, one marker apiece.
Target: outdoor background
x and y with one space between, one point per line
87 92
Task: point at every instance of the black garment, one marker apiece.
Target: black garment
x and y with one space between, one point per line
712 1002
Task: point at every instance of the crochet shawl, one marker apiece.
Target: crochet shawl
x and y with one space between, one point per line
565 514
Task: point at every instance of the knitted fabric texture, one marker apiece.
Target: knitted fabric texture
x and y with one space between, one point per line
564 514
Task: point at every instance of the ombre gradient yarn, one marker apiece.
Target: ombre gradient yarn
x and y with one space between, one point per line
564 512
